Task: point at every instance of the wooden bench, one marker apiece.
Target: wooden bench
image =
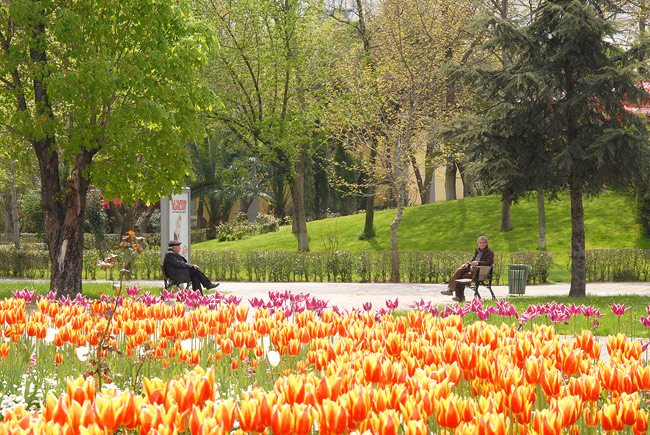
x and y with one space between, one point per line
482 277
170 283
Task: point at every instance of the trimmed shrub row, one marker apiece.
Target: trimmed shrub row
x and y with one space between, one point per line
365 266
618 264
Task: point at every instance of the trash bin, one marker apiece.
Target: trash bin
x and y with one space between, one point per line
517 276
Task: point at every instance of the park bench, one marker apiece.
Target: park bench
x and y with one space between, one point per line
169 282
482 277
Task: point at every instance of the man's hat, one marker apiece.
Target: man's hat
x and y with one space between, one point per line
174 243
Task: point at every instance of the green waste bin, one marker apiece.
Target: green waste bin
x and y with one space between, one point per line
517 276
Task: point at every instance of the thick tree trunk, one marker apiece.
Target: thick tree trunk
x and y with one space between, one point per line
450 181
394 249
370 213
506 224
63 207
298 197
578 266
541 214
118 225
142 222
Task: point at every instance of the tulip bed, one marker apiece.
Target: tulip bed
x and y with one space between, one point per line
127 366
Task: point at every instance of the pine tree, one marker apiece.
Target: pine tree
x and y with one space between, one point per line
560 120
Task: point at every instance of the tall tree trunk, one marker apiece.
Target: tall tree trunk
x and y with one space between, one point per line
469 188
394 249
450 181
15 225
368 228
541 214
298 197
200 221
578 266
428 183
506 223
369 225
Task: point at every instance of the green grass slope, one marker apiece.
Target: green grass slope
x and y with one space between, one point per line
455 225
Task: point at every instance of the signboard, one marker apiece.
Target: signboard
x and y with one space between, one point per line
175 222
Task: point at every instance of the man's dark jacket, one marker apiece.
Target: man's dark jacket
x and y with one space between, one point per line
487 259
176 267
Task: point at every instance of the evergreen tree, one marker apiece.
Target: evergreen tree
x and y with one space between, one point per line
560 121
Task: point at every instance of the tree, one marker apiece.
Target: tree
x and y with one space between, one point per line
263 74
382 97
102 91
581 81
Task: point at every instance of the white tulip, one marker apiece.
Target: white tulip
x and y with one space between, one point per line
82 353
274 358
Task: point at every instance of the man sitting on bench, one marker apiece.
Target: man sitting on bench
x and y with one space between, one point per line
483 256
179 270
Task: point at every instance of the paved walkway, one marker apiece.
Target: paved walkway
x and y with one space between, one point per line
353 295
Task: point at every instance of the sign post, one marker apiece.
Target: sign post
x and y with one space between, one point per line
175 222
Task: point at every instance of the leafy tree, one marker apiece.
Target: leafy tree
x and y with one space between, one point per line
105 90
382 97
264 74
571 82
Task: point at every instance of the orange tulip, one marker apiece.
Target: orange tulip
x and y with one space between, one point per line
385 423
195 420
372 368
282 419
551 381
416 427
641 423
492 424
108 412
590 388
241 313
294 347
591 415
610 418
466 355
332 419
532 370
546 422
248 415
518 397
628 406
226 346
571 362
358 403
303 419
449 412
642 374
4 350
266 403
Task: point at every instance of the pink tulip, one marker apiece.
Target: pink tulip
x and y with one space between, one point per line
619 309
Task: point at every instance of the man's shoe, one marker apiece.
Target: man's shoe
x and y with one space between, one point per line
457 299
447 292
213 285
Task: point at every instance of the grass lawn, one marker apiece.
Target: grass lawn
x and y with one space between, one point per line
91 290
455 225
628 323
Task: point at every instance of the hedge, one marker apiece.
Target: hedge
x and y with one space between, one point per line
335 266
